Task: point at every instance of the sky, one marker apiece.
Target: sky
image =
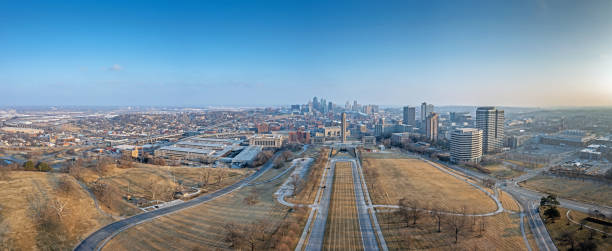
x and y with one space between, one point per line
239 53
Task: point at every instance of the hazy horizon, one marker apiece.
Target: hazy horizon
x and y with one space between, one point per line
518 54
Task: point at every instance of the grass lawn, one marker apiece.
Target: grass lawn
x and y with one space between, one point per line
389 180
561 226
573 189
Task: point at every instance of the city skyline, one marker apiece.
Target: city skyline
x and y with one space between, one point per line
476 53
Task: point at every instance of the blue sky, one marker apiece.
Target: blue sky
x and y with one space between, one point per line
184 53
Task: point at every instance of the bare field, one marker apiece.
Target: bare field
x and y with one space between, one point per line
561 227
307 192
503 172
203 227
157 183
574 189
389 180
508 202
19 194
501 232
342 229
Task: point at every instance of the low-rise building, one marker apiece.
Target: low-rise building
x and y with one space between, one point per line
246 156
575 138
368 140
267 140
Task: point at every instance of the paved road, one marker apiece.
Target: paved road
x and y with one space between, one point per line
98 239
368 237
317 231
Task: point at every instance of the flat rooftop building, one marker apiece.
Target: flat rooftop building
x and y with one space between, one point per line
246 156
466 145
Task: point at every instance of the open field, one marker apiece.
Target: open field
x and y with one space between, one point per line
501 232
561 227
203 227
503 172
27 194
151 182
526 164
389 180
342 230
508 202
574 189
308 190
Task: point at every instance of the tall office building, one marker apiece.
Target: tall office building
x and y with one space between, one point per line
409 116
466 145
431 127
379 128
343 127
426 109
491 122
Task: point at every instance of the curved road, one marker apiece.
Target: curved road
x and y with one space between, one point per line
98 239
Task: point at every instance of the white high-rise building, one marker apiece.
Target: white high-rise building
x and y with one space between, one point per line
491 122
466 145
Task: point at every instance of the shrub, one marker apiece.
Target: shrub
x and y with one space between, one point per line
43 167
29 166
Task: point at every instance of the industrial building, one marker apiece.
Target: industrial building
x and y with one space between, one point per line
198 149
246 156
574 138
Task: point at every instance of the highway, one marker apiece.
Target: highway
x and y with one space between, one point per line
98 239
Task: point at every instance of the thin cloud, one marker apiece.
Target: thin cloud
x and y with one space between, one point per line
115 67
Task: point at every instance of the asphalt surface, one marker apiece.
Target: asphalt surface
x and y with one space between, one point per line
368 236
317 231
98 239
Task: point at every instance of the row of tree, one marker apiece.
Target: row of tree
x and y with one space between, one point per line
411 211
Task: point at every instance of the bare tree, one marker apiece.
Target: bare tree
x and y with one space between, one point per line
568 238
437 215
410 210
60 208
233 235
63 185
220 177
483 224
457 223
295 181
204 176
103 165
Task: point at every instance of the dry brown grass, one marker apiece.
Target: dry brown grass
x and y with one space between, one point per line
140 182
502 232
574 189
81 216
202 226
508 202
342 229
392 179
503 172
561 226
306 194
